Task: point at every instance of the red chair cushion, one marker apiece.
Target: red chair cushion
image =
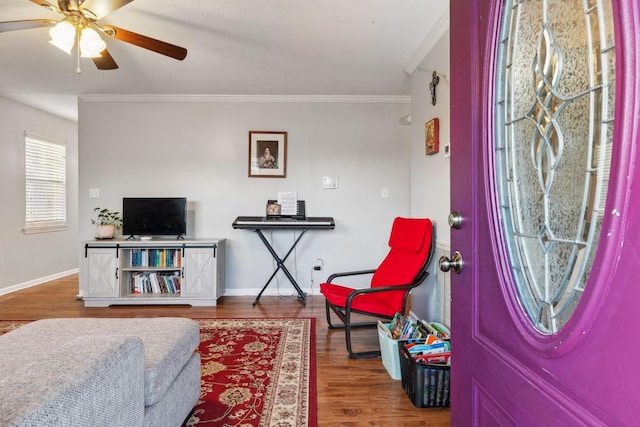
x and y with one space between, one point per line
410 243
410 234
368 303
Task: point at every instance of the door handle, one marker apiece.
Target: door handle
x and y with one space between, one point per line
454 263
455 219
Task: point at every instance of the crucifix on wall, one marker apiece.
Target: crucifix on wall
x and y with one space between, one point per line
432 86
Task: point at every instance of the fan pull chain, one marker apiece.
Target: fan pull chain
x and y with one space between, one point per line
78 70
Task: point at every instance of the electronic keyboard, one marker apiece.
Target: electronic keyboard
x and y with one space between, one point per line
260 222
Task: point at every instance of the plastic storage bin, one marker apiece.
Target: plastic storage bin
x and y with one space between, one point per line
389 351
427 385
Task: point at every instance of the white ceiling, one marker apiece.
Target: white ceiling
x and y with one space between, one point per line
236 47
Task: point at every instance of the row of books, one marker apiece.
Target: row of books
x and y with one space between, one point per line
156 257
404 328
436 387
155 283
429 350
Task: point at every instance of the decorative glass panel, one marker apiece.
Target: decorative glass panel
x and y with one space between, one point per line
554 120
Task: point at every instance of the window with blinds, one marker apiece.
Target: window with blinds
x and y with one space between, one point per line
46 185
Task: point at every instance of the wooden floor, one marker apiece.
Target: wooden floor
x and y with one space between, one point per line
350 392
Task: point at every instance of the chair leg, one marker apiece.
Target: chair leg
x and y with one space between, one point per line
328 309
347 335
345 317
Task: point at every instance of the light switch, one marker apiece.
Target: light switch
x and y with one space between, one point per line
384 192
329 182
94 193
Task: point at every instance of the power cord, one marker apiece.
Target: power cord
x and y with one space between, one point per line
312 292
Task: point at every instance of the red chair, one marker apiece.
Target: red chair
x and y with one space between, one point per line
404 268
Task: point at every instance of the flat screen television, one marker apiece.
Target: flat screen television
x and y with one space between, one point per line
154 216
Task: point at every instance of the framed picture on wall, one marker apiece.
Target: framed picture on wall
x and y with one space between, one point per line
431 141
267 154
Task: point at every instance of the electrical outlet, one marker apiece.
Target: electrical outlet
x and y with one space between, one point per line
318 265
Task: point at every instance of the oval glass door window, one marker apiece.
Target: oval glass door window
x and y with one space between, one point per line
553 136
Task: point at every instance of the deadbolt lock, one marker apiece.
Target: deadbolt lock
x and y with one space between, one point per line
455 219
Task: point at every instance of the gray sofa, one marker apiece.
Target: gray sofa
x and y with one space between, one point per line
99 372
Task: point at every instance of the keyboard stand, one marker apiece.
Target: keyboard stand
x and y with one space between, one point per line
258 224
280 262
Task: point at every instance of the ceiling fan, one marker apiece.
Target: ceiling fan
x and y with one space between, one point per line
79 27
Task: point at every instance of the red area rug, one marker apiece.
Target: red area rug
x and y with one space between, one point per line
255 372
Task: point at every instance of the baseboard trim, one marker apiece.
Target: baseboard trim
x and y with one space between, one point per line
36 282
251 292
272 290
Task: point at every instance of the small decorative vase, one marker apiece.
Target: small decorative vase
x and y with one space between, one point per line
105 231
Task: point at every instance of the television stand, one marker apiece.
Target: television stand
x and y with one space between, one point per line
145 238
152 272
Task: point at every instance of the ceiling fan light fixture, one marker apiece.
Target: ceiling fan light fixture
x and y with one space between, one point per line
78 30
63 36
91 44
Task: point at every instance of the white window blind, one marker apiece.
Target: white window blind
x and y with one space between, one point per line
46 185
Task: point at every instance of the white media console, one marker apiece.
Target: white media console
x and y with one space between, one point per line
140 272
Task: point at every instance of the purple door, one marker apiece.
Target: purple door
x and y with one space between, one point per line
546 323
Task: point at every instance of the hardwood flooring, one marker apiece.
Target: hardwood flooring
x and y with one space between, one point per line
350 392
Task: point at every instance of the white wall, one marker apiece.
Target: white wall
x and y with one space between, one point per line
29 259
430 174
198 148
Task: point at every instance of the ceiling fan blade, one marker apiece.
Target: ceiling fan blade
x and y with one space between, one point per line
67 5
25 25
48 5
154 45
105 62
98 9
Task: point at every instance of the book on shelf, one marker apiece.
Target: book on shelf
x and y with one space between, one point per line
139 258
155 286
166 257
155 283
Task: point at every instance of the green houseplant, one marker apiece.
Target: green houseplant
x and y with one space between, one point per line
106 223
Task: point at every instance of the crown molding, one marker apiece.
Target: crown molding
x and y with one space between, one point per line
429 42
347 99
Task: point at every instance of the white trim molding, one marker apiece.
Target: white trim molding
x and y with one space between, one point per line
36 282
345 99
429 42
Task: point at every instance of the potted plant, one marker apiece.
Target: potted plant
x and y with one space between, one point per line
106 223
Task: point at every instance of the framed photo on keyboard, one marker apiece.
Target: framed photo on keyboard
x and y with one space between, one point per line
273 209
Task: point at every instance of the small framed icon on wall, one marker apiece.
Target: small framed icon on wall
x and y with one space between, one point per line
431 139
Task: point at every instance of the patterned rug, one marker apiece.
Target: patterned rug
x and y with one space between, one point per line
255 372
